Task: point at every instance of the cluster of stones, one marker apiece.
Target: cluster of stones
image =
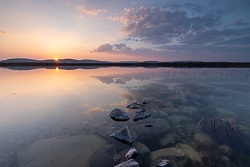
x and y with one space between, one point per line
123 135
131 156
140 110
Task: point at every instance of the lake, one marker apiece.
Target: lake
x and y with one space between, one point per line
57 117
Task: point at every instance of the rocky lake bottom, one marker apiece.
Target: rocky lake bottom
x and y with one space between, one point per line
198 117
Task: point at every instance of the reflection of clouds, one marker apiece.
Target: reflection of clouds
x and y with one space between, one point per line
122 79
93 110
115 104
106 80
119 81
110 79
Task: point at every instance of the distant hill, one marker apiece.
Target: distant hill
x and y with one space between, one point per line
19 60
95 63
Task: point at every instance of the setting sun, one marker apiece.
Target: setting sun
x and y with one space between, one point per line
56 59
57 69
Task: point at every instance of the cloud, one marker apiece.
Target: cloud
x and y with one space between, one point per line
115 18
104 48
133 3
195 8
87 10
157 26
122 49
240 22
212 50
3 32
243 40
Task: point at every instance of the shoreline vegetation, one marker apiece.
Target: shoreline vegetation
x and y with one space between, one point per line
72 62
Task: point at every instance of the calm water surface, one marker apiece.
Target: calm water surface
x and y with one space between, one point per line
59 117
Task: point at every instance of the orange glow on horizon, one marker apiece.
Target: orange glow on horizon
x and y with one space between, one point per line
56 59
57 69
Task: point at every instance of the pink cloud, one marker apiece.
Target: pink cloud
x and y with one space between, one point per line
87 10
3 32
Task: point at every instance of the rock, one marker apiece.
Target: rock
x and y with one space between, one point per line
165 141
145 101
225 149
72 151
141 110
103 157
203 138
141 116
193 155
131 154
117 158
164 163
175 155
134 105
141 148
172 151
176 119
129 163
123 135
118 115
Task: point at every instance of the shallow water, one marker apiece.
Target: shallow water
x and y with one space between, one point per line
59 117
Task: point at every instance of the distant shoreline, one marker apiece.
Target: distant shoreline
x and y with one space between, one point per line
136 64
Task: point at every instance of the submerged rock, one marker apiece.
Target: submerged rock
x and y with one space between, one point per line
225 149
118 115
71 151
165 141
123 135
131 154
141 110
129 163
141 116
192 154
164 163
103 157
175 155
203 138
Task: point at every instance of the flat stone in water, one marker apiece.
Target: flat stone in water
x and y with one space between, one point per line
141 110
164 163
141 116
134 105
129 163
123 135
131 154
145 101
118 115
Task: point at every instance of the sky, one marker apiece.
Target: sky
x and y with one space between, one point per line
126 30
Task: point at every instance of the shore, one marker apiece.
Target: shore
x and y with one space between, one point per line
137 64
